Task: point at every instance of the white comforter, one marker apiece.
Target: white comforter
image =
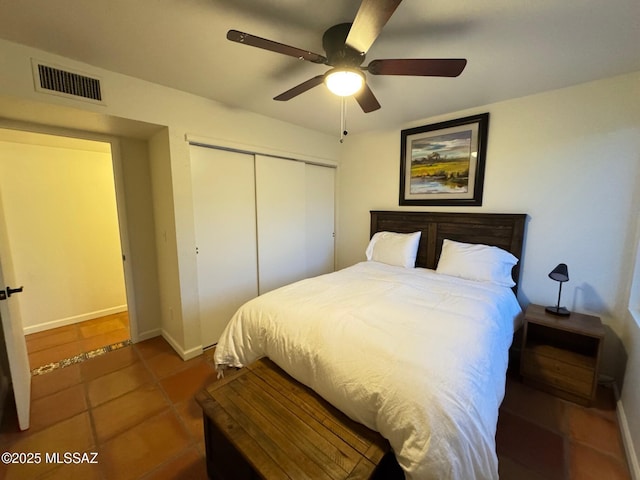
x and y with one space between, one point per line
417 356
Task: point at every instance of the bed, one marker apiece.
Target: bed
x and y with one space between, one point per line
417 354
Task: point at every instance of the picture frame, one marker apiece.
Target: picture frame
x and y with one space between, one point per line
443 163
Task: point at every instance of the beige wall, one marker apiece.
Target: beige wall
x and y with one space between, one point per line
136 200
60 210
178 114
570 159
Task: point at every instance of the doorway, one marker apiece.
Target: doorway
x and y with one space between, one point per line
60 208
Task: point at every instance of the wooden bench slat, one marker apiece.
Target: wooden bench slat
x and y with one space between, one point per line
362 471
262 424
339 450
354 433
302 434
259 459
276 444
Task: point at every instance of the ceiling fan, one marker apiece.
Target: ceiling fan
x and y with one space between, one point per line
345 46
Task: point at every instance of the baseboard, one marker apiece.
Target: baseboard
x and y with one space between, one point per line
184 354
156 332
627 440
75 319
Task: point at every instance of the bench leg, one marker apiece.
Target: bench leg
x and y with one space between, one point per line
223 460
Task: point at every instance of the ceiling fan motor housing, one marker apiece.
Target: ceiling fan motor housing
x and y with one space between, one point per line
339 54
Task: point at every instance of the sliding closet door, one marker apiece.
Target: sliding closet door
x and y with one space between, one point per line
224 210
281 212
320 219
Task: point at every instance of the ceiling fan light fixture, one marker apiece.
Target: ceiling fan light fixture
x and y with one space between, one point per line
344 81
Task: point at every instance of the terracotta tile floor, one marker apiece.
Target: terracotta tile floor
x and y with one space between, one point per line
135 408
65 342
543 437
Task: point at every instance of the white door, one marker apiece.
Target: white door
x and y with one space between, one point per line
281 211
225 224
320 219
13 332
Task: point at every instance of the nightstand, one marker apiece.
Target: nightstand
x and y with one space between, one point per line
561 355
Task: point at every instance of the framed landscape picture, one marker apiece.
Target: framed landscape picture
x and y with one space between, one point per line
443 163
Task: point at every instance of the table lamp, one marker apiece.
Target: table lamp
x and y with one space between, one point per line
560 274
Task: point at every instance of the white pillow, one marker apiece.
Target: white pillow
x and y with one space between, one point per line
399 249
477 262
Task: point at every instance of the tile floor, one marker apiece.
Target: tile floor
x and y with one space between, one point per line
65 342
135 408
543 437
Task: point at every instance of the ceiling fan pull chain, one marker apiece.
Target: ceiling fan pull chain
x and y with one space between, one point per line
343 119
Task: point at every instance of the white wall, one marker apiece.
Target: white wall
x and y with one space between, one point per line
180 113
144 306
60 210
570 159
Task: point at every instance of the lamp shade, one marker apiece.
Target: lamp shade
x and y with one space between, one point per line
560 273
344 82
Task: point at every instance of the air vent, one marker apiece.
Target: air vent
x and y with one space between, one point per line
49 79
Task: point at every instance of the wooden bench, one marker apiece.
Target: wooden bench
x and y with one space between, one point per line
261 423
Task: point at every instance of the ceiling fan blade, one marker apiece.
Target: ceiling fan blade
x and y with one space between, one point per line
252 40
298 89
425 67
370 19
367 100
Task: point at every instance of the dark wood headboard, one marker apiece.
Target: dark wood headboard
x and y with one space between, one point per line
504 230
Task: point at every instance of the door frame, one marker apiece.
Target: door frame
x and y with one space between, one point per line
118 180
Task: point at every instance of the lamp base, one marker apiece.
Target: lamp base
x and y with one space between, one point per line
561 311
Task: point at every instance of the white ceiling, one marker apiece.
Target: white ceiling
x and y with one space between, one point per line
513 48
